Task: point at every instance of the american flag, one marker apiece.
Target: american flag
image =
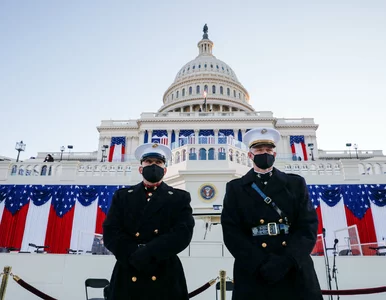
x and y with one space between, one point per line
117 148
160 136
298 147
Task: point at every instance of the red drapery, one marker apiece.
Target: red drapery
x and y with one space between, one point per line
101 216
366 229
12 227
59 230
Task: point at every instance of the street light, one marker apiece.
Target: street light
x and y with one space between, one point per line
311 146
349 150
356 150
62 150
20 146
104 149
69 150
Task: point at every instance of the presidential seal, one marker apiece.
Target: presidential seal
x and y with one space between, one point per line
207 192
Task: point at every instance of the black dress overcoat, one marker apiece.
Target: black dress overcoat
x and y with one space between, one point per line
244 209
165 226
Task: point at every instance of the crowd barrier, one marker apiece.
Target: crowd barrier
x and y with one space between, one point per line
222 279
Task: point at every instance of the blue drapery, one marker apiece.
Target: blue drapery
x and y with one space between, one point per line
226 132
146 137
64 199
206 132
157 134
173 136
377 193
356 197
240 136
330 194
40 194
88 194
314 197
186 132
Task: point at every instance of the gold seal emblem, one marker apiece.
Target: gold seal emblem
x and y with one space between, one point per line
207 192
264 131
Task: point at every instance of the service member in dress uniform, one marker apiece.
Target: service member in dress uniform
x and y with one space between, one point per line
270 227
146 227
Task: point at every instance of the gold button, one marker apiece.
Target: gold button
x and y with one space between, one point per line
261 221
264 245
280 220
137 234
156 231
150 194
133 279
148 199
284 243
153 278
155 187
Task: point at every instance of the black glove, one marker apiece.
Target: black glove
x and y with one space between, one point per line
275 268
142 261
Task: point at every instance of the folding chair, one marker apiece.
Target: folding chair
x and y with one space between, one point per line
228 287
96 283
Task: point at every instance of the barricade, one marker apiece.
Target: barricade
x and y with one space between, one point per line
222 277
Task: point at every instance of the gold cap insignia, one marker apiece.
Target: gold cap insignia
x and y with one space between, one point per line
155 145
264 131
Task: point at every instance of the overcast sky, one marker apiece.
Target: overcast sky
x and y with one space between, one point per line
67 65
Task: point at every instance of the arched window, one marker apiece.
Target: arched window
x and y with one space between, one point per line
213 89
197 89
221 154
228 91
239 95
192 154
172 96
177 93
206 88
190 90
211 154
183 92
202 154
234 94
221 90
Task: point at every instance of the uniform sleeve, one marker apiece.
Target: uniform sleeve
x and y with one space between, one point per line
240 246
303 230
180 235
121 244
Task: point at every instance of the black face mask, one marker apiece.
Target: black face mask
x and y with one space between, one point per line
264 161
153 173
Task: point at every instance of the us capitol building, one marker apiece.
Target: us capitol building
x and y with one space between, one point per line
204 115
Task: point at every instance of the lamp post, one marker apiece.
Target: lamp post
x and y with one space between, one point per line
356 150
69 150
62 150
20 146
349 150
104 149
311 146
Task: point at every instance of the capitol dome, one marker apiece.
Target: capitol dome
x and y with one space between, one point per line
224 92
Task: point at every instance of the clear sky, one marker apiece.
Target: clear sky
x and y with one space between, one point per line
67 65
